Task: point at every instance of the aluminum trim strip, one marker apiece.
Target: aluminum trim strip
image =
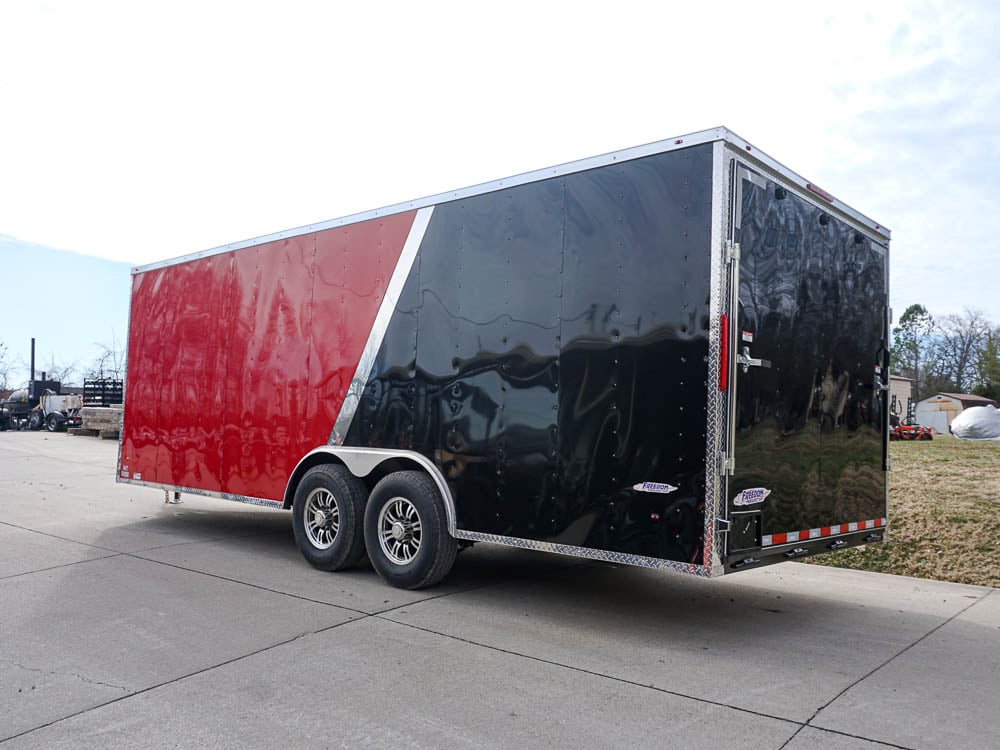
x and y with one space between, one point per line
786 177
580 165
715 411
264 502
635 152
380 326
121 422
569 550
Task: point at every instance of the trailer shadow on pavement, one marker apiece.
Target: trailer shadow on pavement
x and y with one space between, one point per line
127 618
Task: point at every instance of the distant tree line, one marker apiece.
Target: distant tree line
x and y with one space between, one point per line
109 363
951 353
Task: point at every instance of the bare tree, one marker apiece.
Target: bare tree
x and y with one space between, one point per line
110 363
59 371
958 343
6 366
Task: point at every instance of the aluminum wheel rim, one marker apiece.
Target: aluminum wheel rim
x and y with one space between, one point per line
399 530
322 518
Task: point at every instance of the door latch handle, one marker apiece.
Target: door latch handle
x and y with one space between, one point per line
744 360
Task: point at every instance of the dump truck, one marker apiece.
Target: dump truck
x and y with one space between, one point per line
672 356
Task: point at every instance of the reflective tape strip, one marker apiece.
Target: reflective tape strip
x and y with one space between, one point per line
771 540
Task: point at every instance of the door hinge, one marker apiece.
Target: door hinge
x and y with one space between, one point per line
727 464
733 250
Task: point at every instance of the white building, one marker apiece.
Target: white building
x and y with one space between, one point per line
939 410
900 393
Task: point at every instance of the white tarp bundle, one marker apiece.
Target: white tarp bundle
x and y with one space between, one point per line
977 423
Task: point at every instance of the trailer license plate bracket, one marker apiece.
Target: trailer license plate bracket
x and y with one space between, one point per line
745 531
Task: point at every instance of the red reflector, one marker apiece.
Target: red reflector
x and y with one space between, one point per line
724 352
820 192
678 142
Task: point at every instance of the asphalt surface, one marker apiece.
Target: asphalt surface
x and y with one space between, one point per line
126 622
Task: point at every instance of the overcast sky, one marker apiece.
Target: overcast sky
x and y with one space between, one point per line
137 131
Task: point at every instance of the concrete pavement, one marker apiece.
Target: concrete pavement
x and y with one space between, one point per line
127 622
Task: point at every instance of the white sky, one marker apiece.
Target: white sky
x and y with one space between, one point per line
138 132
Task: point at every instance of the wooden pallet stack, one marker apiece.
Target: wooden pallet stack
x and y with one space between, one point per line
100 421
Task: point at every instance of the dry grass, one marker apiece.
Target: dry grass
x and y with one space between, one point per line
944 514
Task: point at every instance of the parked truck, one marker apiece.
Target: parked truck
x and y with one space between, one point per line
56 412
16 410
673 356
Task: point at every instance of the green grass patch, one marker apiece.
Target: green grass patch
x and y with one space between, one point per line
944 514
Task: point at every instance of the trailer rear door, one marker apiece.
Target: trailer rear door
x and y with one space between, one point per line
808 364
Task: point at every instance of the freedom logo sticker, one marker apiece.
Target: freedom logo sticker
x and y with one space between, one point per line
751 496
659 487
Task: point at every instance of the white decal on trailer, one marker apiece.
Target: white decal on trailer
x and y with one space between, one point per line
659 487
751 496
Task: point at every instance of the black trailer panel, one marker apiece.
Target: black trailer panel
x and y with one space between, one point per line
549 353
811 415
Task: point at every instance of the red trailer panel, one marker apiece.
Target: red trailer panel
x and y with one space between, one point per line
232 378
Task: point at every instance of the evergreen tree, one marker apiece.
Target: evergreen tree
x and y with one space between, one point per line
911 347
988 368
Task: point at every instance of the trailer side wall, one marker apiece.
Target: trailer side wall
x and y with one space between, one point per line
239 362
549 353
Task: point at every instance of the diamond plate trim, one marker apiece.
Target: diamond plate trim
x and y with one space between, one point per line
716 401
624 558
263 502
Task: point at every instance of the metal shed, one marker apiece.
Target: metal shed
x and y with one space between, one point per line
938 411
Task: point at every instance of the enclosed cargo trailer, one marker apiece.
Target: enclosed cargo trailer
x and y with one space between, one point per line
672 356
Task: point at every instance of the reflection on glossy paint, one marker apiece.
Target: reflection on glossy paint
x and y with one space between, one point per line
809 428
238 362
549 352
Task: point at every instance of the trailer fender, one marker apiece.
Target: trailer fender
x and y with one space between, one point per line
371 464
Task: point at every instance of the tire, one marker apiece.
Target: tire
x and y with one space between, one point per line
52 423
327 517
406 531
35 420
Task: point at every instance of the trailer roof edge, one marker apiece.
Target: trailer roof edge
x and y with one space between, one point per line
635 152
769 163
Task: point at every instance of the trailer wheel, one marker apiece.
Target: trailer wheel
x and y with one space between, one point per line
406 531
35 420
52 423
327 516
